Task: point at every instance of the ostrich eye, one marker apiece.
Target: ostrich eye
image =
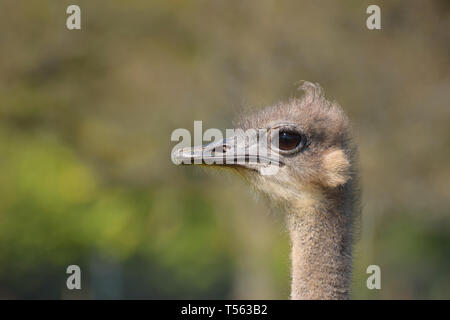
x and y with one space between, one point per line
289 140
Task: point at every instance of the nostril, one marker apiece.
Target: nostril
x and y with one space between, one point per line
221 149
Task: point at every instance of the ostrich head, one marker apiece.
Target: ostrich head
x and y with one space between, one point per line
308 142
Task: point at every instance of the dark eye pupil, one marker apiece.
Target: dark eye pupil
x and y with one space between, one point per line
289 140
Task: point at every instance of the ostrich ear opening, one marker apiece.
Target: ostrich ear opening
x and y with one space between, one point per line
336 168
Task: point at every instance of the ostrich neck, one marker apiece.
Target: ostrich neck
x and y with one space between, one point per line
321 256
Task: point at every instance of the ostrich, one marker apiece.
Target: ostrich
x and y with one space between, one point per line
315 184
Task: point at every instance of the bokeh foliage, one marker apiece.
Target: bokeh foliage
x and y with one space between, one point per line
85 124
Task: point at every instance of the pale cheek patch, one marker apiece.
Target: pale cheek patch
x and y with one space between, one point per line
336 168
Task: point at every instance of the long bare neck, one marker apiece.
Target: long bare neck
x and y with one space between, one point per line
321 253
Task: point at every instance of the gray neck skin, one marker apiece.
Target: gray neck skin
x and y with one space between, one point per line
321 251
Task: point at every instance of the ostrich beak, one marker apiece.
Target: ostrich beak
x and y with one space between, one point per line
235 151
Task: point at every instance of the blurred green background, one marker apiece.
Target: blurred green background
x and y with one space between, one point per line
85 124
